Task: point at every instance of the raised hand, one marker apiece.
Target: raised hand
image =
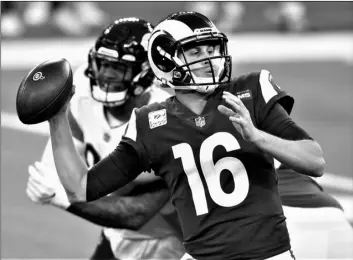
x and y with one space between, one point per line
239 116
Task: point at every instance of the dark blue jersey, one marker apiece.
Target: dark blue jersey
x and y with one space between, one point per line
224 189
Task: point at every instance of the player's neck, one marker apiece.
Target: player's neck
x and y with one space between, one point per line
117 116
194 101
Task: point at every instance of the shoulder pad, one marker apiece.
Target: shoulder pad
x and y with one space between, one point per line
247 82
268 88
152 115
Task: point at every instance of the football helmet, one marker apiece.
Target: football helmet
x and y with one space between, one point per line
117 64
176 33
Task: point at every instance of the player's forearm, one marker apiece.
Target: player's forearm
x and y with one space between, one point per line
128 212
304 156
69 164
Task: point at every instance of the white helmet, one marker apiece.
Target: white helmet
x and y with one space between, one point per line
169 38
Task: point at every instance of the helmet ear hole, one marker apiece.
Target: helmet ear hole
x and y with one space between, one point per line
166 43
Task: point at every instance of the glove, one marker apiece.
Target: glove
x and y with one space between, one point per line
44 186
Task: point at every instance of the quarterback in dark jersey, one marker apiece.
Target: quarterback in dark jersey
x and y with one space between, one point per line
213 144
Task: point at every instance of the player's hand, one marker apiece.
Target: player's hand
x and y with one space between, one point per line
63 112
44 186
239 116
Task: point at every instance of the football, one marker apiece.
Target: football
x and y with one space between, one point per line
43 91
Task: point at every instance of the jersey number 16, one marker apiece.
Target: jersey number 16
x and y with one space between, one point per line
212 172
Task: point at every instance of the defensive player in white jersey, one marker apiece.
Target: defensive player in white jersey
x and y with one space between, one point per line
116 79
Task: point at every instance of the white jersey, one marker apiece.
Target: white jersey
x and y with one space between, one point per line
98 134
90 116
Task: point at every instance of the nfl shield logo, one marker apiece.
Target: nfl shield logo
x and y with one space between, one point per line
200 121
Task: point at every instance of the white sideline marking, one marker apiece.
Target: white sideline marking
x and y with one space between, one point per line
329 180
259 47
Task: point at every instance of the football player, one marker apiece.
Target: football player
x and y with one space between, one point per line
213 143
116 79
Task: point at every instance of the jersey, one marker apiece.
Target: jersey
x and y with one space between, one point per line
224 189
101 138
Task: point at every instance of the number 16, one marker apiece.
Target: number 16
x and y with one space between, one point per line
212 172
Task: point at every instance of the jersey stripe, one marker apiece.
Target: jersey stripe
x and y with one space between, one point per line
180 29
267 89
131 131
194 21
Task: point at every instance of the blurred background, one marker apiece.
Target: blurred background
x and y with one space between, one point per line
307 46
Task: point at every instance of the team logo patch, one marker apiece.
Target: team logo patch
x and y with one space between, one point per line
246 94
200 121
157 118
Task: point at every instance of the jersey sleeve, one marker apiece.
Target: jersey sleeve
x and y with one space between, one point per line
136 137
269 93
113 172
278 123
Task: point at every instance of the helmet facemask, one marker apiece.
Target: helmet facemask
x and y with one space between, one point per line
113 79
214 66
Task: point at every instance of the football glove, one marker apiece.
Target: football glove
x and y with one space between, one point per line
44 186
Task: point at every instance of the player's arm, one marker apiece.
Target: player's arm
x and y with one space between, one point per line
112 172
77 134
289 143
43 185
125 208
303 155
130 212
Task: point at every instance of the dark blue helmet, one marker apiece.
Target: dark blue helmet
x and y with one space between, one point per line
118 66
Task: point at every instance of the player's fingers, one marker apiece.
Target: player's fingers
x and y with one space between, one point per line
41 173
38 197
43 170
47 171
33 193
236 120
35 173
39 188
235 107
235 102
42 186
234 98
31 196
226 111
